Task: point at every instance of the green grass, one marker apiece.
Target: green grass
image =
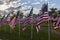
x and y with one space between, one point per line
6 33
54 36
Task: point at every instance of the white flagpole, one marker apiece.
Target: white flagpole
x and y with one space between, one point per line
4 23
46 1
48 28
58 17
32 28
10 27
19 25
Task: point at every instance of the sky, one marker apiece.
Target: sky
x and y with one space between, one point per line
26 4
33 3
39 3
54 3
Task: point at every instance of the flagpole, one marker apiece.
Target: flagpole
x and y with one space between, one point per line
48 21
48 27
19 29
4 23
31 31
32 27
10 27
48 31
19 25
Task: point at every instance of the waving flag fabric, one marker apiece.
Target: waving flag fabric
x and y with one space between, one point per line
7 18
38 24
13 21
2 20
27 20
43 17
56 22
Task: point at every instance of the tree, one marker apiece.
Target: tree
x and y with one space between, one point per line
34 15
58 12
21 15
53 12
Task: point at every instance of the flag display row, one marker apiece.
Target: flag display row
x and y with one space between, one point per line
44 17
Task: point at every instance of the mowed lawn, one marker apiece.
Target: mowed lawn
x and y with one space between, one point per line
6 33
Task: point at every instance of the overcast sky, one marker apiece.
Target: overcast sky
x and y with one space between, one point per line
4 4
37 4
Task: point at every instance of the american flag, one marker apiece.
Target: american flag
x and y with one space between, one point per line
2 19
38 24
18 17
56 22
27 20
7 18
43 18
13 21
